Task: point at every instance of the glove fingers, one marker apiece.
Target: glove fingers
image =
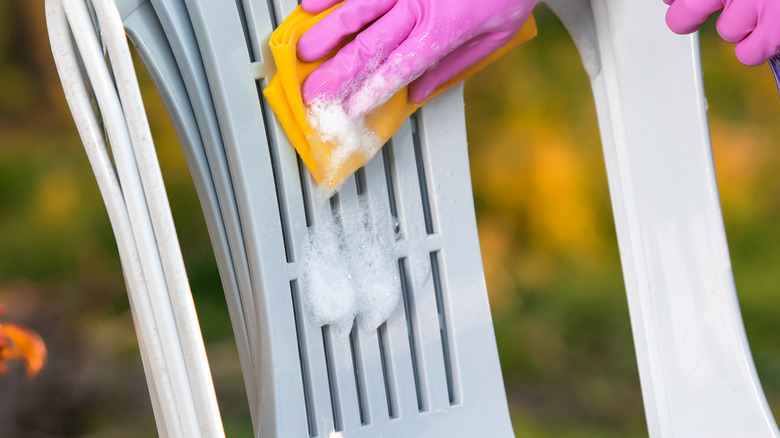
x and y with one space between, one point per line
352 62
460 59
685 16
405 64
338 25
760 45
736 22
317 6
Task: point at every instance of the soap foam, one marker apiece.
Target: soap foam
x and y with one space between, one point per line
371 253
380 85
374 92
329 293
341 121
346 135
350 269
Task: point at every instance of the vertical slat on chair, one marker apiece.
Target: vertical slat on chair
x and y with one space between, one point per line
342 377
341 369
314 370
445 201
310 342
365 347
374 401
475 372
379 402
328 377
398 358
312 351
283 8
421 305
392 338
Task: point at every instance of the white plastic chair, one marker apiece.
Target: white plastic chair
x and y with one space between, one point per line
695 366
432 369
166 324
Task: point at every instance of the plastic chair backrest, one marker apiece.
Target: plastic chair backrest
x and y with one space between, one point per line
433 367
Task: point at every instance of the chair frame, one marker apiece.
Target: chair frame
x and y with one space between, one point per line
697 374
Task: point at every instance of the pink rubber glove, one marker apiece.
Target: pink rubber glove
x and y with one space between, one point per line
754 25
419 42
317 6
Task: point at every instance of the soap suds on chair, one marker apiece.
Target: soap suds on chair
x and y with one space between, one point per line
347 136
350 268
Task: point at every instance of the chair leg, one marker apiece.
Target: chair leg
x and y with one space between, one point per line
696 369
171 345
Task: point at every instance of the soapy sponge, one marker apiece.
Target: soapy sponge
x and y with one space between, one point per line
330 143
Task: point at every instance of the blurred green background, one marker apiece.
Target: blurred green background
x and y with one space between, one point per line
545 223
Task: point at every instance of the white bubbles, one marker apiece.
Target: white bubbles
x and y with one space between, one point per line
350 269
378 87
349 264
346 135
329 293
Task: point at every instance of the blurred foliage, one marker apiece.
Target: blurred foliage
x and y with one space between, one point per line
545 223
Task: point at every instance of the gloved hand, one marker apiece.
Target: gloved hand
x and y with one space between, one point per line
754 25
419 42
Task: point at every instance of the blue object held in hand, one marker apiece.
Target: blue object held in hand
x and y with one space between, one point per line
774 62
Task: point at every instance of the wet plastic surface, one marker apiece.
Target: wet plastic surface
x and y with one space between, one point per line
432 369
696 369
